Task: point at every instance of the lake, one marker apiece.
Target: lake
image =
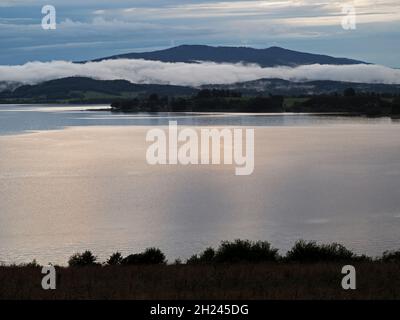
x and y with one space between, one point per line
73 179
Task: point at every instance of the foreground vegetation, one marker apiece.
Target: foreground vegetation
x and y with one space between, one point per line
205 281
235 270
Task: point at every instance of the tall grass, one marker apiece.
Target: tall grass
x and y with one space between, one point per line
375 280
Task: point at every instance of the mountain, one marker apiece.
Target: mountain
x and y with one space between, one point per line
287 88
81 89
270 57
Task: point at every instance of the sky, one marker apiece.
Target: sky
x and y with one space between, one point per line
91 29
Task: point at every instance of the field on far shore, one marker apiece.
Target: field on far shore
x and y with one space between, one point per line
375 280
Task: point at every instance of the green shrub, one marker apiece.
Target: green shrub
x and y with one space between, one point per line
312 252
82 260
149 256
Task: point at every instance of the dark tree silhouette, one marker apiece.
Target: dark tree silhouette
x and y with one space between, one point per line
149 256
82 259
115 259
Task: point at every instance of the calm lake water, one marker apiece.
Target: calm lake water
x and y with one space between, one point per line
25 118
82 182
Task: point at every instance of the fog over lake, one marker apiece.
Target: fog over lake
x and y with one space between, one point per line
73 180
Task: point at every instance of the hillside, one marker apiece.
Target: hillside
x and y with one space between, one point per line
87 90
80 90
290 88
8 85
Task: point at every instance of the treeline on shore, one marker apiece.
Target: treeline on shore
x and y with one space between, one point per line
214 100
350 102
203 101
236 252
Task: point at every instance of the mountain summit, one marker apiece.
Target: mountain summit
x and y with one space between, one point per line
269 57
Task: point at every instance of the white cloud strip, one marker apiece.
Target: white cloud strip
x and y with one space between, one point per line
156 72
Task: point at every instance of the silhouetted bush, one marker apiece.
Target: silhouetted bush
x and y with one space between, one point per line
236 252
149 256
82 260
207 256
115 259
33 264
391 256
245 251
194 259
312 252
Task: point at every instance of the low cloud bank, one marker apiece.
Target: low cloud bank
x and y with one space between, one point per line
156 72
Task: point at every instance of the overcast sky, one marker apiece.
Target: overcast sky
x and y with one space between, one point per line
89 29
